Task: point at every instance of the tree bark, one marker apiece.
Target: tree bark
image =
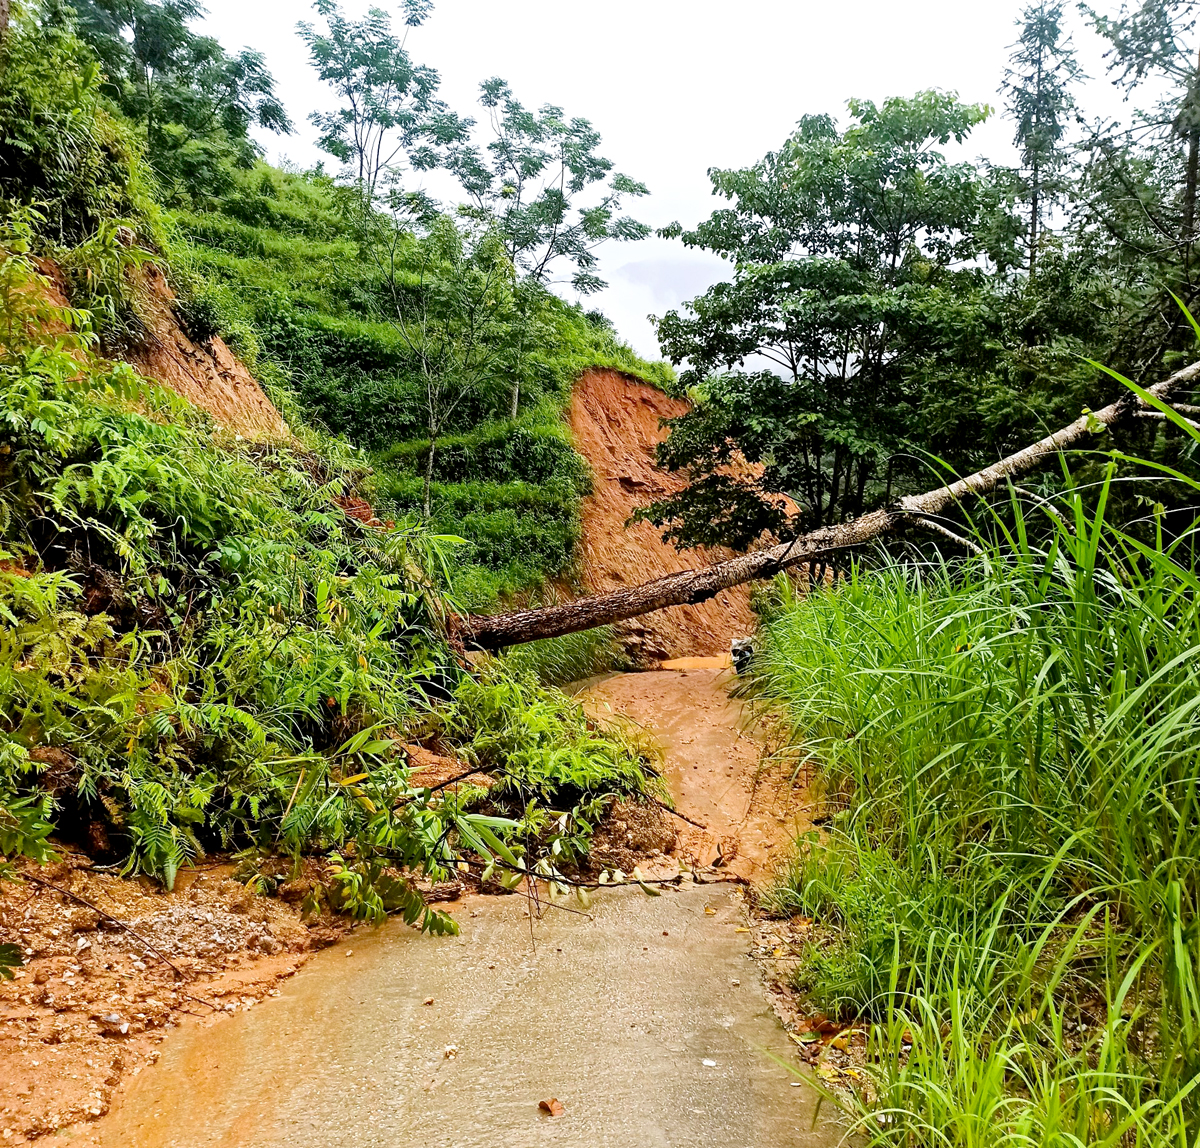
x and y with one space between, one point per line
1035 212
427 501
4 6
1192 171
688 587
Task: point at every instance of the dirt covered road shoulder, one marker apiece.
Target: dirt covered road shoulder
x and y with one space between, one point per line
112 965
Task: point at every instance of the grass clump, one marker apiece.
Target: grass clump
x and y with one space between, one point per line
571 658
1012 879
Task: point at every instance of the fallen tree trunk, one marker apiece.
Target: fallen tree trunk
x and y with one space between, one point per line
690 586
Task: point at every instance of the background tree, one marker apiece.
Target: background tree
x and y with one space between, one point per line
1037 87
1155 40
390 108
453 303
537 166
1137 200
197 102
527 184
852 254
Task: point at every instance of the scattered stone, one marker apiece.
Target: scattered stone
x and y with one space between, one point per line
112 1024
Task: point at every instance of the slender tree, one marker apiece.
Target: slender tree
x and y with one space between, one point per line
1037 87
536 168
389 105
1156 41
527 183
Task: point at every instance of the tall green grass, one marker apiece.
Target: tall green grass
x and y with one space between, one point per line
1012 876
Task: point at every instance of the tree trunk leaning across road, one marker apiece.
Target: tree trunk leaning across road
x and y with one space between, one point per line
690 586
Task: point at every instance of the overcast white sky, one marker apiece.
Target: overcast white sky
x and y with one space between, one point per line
675 87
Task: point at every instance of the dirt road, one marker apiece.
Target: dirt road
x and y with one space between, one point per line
712 763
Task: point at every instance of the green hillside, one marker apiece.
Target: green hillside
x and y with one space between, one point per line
200 650
276 268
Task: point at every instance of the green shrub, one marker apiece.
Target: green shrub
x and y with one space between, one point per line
571 658
200 650
63 149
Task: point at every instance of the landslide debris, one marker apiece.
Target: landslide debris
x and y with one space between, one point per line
94 999
616 423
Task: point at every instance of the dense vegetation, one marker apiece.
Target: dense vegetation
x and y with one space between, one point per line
275 266
200 649
1009 883
1006 734
887 306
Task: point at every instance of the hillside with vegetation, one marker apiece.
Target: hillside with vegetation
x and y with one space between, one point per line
276 445
225 641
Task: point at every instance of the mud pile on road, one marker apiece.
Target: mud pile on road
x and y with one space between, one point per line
112 965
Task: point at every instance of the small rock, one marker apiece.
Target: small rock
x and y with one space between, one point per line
111 1024
428 1000
450 1051
552 1107
709 1063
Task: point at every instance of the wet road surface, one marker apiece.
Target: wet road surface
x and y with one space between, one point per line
614 1013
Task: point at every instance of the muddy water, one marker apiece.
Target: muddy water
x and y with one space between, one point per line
645 1017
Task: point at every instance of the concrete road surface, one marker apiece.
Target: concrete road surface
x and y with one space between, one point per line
646 1019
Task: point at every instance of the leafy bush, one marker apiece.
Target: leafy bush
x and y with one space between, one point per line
202 650
63 149
518 451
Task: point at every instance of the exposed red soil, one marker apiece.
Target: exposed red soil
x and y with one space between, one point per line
94 1000
615 420
208 374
